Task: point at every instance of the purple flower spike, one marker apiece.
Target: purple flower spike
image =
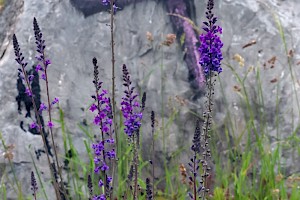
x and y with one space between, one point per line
211 44
39 40
129 106
34 186
18 54
102 109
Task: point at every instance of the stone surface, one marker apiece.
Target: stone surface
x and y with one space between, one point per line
74 38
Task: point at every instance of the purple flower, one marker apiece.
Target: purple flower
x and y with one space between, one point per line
98 148
211 44
109 179
93 108
100 183
28 92
30 78
42 107
104 92
55 101
47 62
50 124
105 129
33 125
104 167
97 169
110 141
43 76
111 154
108 121
102 115
99 197
38 68
97 161
97 120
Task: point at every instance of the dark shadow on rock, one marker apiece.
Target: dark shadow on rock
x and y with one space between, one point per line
23 98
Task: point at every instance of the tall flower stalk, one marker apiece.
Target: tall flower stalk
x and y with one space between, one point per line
113 9
133 113
103 119
45 63
210 60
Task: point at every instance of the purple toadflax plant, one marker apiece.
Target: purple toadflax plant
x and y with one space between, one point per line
103 119
133 113
28 80
210 60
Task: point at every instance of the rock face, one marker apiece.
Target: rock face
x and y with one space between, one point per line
75 32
